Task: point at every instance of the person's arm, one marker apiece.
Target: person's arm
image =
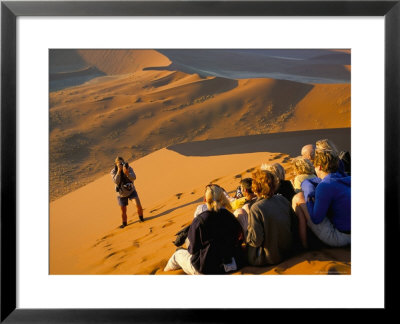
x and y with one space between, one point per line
116 176
194 236
130 173
255 228
318 207
308 186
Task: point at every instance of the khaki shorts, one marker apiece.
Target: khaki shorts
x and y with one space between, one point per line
328 234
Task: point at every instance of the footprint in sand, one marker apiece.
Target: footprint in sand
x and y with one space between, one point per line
238 176
155 209
250 170
276 157
170 222
286 159
110 255
118 264
136 244
158 266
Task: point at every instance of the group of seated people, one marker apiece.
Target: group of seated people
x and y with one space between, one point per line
270 218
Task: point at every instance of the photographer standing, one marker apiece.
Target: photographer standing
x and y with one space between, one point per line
123 176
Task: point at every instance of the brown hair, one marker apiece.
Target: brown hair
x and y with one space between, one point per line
265 183
327 160
246 184
302 165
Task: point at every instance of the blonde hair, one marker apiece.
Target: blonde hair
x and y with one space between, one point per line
275 168
215 198
302 165
265 183
327 160
325 144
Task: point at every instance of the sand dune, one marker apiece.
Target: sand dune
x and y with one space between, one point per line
135 114
123 61
84 233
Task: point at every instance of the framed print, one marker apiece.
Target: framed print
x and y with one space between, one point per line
188 84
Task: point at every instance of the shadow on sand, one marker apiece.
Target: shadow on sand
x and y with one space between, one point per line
288 142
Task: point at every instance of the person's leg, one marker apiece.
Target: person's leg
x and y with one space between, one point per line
242 217
139 208
328 234
123 202
298 203
181 260
124 216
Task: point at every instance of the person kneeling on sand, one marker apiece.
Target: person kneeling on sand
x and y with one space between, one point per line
123 176
272 231
325 203
214 240
249 198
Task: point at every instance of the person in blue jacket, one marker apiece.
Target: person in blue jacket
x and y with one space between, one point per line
324 205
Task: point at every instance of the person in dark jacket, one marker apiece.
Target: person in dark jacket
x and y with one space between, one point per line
214 240
285 187
325 203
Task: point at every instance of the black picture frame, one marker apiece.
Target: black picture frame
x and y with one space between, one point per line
10 10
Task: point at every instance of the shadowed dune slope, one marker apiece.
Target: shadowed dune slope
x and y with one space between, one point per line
289 143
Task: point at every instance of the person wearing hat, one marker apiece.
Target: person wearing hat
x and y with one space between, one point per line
123 176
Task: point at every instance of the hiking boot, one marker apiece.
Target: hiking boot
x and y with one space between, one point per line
141 219
123 225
